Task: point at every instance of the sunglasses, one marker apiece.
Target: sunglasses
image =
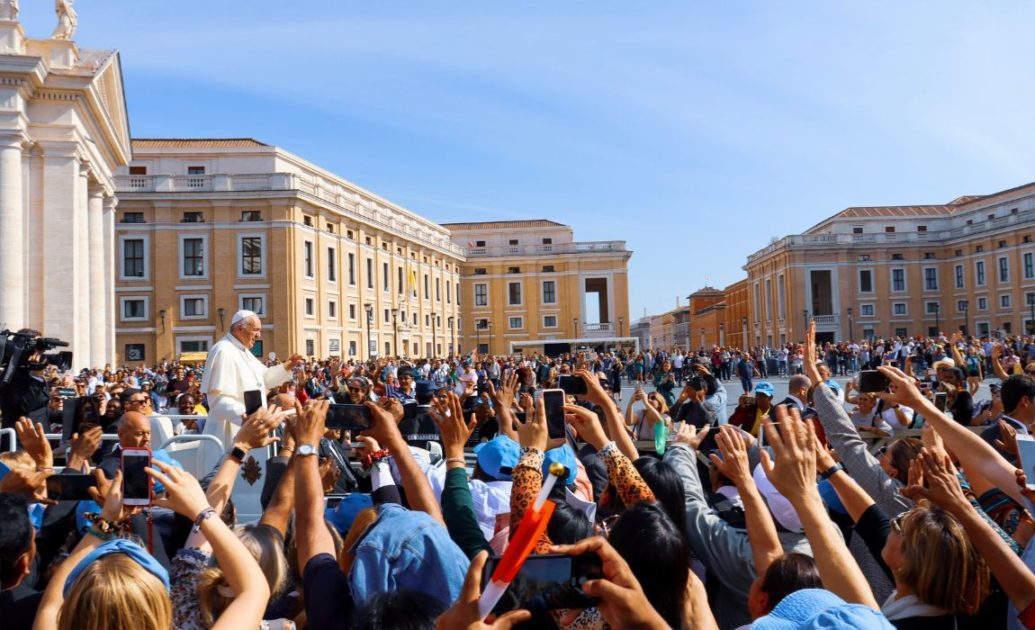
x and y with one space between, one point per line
138 401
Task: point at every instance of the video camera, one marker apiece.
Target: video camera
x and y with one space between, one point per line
17 347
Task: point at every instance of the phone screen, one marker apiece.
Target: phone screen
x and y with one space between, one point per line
548 582
1026 450
872 381
70 487
553 400
940 398
350 417
252 401
136 484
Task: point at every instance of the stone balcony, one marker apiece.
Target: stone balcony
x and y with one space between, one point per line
593 331
580 247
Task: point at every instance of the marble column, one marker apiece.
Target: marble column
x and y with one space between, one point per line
62 232
12 233
98 322
83 316
110 312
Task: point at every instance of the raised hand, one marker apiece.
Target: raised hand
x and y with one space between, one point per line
183 493
533 433
310 425
255 432
463 614
943 487
384 426
734 461
794 445
449 416
30 437
587 424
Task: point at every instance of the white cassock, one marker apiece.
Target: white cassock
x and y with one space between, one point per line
232 370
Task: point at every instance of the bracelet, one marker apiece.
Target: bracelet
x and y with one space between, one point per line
606 449
93 531
833 470
456 460
202 517
371 458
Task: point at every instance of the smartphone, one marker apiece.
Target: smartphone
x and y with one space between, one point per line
872 381
70 487
1026 450
940 399
333 500
252 401
553 400
548 582
572 385
136 484
352 417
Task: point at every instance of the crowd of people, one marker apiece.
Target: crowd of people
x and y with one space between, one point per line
839 506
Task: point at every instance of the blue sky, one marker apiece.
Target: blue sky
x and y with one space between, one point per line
694 131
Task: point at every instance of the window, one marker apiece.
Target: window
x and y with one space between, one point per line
414 319
133 258
132 217
448 293
134 352
399 279
929 256
352 348
514 293
857 229
438 289
352 269
959 276
479 243
254 303
898 280
979 273
768 299
513 241
1029 266
310 347
1004 301
195 170
865 281
370 273
352 312
899 308
250 215
192 344
901 332
1029 298
930 279
961 305
781 296
549 292
310 307
192 217
979 249
548 269
758 303
921 228
481 294
515 322
330 228
427 287
386 279
308 263
982 304
897 257
193 250
890 229
332 309
547 241
864 258
251 255
388 316
332 263
931 307
549 321
193 306
513 269
1004 269
134 308
1001 244
866 310
307 220
479 271
138 170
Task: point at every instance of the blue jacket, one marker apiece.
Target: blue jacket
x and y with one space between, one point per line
406 549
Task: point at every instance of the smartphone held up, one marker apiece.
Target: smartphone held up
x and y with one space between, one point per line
136 483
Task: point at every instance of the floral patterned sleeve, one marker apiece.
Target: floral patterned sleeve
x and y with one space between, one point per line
187 565
624 476
527 480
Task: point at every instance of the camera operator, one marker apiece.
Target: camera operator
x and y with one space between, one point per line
27 390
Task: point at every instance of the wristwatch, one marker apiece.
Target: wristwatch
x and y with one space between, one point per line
237 454
304 450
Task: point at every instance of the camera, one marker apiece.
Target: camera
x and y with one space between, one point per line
16 348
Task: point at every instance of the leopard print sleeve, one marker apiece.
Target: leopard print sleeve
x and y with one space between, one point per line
527 480
624 476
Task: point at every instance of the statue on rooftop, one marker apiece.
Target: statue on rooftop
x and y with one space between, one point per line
8 9
67 20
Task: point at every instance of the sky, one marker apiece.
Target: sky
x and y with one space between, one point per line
695 131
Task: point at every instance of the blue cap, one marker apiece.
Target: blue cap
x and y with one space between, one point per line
425 388
765 388
345 512
120 545
816 608
81 509
564 456
4 470
499 453
162 456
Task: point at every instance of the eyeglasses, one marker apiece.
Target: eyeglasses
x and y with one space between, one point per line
882 451
138 401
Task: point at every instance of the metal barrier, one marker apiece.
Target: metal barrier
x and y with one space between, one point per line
12 439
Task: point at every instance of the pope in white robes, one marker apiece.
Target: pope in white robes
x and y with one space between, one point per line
230 371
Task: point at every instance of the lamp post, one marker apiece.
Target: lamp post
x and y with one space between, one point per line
938 318
370 324
1031 323
850 322
222 314
478 335
575 321
161 314
488 324
805 316
744 333
621 321
433 340
395 331
966 317
452 341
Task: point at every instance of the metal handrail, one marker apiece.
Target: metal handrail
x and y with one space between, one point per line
13 439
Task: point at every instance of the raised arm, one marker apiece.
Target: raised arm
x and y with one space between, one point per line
384 429
997 366
615 427
761 530
254 433
311 535
504 399
457 504
794 475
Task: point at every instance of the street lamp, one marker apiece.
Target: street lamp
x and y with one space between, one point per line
1031 322
575 320
433 340
805 316
744 333
966 317
478 335
395 331
222 314
850 323
370 324
488 324
938 318
621 321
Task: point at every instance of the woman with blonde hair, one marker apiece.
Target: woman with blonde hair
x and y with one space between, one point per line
640 422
